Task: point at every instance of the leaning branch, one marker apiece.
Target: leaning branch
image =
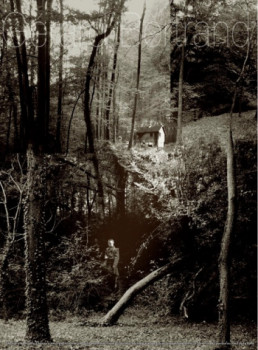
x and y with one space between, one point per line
113 315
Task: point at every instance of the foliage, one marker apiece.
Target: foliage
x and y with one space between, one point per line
76 279
199 171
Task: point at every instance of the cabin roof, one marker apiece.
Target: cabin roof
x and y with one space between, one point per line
147 129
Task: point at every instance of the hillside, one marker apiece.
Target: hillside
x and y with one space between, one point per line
244 128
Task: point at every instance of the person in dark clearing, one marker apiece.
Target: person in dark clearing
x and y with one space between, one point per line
111 260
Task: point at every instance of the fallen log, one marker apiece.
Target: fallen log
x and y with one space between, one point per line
113 315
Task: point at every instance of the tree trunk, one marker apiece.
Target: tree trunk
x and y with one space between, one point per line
113 315
26 88
224 263
70 121
11 226
121 185
21 58
112 83
7 143
43 74
5 256
172 127
48 58
37 328
4 276
60 80
34 224
16 132
181 80
87 110
116 122
180 96
224 257
87 118
115 117
137 79
13 109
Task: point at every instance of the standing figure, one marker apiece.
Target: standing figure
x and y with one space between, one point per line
112 259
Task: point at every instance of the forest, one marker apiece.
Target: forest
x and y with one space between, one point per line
128 174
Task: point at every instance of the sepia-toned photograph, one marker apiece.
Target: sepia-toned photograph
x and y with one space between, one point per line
128 175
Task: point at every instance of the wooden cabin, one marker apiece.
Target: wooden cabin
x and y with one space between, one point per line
152 136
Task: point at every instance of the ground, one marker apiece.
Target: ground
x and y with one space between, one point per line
135 331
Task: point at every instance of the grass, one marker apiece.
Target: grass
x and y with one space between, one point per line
244 128
135 331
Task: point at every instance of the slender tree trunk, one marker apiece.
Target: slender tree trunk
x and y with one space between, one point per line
15 122
88 121
104 90
70 121
97 122
240 102
172 34
181 80
113 315
7 144
48 59
21 64
224 263
26 87
112 83
34 224
41 106
5 256
13 108
98 112
43 27
117 125
4 37
137 79
121 186
114 114
60 80
89 207
180 96
4 276
11 227
224 257
87 111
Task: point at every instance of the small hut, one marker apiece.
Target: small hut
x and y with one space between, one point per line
152 136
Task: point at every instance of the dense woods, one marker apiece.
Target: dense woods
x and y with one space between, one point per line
84 97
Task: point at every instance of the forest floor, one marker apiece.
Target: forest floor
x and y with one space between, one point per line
136 330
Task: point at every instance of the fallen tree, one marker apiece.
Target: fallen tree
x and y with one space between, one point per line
113 315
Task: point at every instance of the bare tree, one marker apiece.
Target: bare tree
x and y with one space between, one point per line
87 96
12 221
137 78
224 257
